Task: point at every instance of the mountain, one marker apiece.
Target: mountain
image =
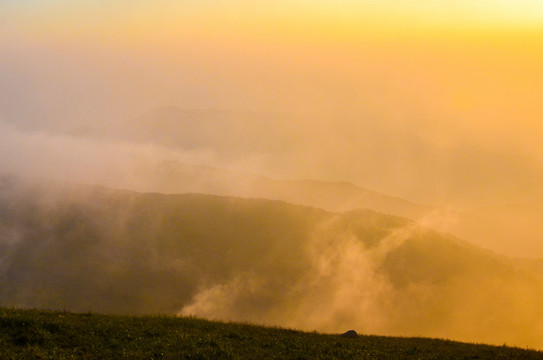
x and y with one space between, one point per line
177 177
283 144
487 227
84 248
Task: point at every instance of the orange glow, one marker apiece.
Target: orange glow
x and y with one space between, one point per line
437 102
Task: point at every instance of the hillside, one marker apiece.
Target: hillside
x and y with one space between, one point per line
31 334
95 249
263 143
489 227
234 138
177 177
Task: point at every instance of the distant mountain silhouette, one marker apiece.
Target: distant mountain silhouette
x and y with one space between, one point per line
178 177
235 136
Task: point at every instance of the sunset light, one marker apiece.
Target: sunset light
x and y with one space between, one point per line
319 165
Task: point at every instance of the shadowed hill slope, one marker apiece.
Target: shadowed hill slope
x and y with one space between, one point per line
95 249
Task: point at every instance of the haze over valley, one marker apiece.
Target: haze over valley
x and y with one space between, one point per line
295 164
257 260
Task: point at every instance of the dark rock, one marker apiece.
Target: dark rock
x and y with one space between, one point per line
349 334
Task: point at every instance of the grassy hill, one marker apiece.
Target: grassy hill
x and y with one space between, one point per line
101 250
33 334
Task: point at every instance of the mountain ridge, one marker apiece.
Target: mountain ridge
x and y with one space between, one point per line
102 250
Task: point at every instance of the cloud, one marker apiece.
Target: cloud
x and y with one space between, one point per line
39 154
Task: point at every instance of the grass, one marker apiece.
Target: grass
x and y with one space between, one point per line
36 334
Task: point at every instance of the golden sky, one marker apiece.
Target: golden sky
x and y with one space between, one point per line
435 101
298 18
450 72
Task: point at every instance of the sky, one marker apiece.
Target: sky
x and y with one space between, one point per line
457 75
437 102
325 55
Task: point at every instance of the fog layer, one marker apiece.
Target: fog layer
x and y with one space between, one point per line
94 249
223 152
431 112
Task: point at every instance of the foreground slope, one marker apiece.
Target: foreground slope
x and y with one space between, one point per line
31 334
95 249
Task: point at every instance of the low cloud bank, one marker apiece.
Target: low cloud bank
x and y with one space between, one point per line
94 249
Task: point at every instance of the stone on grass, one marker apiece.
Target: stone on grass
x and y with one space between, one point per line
349 334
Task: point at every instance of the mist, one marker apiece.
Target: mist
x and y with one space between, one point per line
457 123
250 154
88 248
289 165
